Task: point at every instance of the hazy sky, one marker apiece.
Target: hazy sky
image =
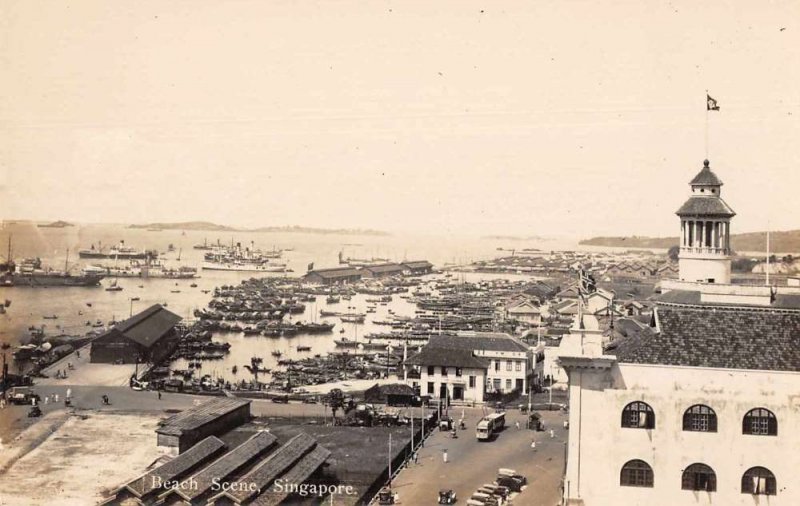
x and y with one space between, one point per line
533 117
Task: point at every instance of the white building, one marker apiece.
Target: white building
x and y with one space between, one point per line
524 310
703 406
456 375
463 367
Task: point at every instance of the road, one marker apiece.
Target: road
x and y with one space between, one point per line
471 463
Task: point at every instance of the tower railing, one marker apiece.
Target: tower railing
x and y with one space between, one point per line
704 249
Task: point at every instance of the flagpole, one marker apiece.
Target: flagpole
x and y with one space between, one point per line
707 124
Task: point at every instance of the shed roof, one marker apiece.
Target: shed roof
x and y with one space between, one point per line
177 467
273 466
147 327
197 416
719 337
418 264
301 471
225 466
335 272
383 268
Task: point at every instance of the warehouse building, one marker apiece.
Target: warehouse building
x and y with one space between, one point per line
334 276
146 337
211 418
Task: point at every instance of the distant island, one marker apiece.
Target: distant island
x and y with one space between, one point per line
213 227
514 237
787 241
55 224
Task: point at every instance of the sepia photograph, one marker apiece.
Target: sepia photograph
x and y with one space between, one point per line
351 253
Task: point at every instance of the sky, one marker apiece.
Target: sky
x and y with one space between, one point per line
572 118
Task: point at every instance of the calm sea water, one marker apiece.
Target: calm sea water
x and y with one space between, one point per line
75 306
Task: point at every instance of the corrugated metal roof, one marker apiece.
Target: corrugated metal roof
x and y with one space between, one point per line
147 327
226 465
383 268
197 416
297 474
175 468
335 272
418 264
273 466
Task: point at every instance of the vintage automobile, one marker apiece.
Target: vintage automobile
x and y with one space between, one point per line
386 496
447 497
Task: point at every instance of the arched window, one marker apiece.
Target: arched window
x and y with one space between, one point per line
699 477
759 481
700 418
761 422
636 473
638 415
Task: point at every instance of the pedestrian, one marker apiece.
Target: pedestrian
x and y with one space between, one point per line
444 456
552 434
69 393
533 445
517 423
78 353
2 403
159 395
416 454
46 400
55 398
566 424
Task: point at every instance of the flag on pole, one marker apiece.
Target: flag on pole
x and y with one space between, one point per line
711 104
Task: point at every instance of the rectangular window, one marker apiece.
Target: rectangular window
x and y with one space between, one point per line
519 366
431 370
497 384
444 371
509 365
496 365
508 385
472 381
458 371
430 388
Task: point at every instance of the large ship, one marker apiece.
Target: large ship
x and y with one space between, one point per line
119 251
237 258
30 272
146 269
233 265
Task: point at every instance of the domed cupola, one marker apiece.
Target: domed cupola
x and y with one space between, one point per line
705 231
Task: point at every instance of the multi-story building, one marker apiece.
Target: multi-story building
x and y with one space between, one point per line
456 375
447 365
702 406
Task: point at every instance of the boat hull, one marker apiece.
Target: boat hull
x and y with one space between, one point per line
35 280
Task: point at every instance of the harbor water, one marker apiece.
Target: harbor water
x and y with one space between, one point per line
74 310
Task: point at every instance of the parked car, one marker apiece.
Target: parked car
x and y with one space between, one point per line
281 399
509 482
23 395
447 497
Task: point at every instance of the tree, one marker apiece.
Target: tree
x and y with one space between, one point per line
673 252
335 400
